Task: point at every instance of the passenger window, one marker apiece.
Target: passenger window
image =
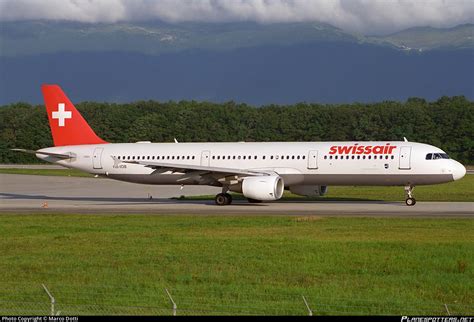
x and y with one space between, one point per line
363 157
271 157
193 157
358 157
304 157
233 157
330 157
263 157
325 157
298 157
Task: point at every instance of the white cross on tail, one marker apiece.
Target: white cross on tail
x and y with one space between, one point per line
61 114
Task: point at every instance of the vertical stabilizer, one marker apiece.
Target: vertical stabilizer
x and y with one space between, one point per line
68 127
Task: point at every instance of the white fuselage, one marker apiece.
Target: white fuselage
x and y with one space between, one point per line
298 163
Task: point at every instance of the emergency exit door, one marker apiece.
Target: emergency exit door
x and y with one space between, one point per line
205 156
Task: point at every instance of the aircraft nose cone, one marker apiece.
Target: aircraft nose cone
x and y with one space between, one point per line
459 170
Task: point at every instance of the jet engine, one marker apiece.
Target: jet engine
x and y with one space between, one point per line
309 191
263 187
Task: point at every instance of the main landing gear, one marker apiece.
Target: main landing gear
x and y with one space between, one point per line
223 199
410 200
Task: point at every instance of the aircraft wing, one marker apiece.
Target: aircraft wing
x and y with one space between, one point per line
198 171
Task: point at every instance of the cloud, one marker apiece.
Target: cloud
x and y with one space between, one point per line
366 16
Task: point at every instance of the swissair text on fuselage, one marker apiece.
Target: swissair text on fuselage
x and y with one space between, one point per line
362 149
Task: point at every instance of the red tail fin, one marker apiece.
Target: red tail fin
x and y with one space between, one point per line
67 124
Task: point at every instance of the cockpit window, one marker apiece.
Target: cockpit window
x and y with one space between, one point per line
435 156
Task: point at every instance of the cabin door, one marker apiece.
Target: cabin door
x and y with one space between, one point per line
313 159
404 159
96 159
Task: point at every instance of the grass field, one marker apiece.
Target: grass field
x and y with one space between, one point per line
461 190
121 264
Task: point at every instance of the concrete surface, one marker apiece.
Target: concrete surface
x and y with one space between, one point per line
42 194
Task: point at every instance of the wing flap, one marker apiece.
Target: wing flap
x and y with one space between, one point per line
185 168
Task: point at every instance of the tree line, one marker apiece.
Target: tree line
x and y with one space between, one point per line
447 123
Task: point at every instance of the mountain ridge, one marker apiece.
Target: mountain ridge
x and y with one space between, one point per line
156 37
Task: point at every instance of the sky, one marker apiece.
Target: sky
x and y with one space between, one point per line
364 16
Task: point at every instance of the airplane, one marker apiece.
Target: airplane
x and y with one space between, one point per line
261 171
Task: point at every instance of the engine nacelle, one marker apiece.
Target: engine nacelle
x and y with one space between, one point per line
263 187
309 191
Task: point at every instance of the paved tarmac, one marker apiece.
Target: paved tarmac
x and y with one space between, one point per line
45 194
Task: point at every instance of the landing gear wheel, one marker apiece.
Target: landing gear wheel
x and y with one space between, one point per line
253 200
223 199
229 198
410 200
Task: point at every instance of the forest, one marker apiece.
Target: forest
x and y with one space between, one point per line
447 123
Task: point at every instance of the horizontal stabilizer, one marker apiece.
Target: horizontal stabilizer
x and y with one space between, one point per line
56 155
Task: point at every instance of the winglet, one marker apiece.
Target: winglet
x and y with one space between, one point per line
68 127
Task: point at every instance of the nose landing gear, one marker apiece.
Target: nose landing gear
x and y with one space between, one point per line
410 200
